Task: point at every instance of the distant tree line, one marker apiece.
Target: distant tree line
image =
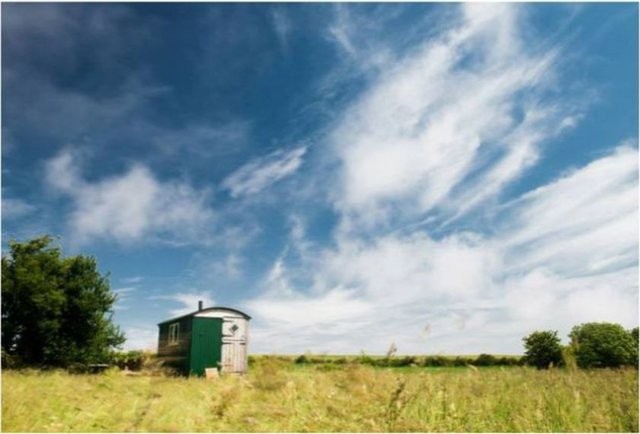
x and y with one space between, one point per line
435 361
592 345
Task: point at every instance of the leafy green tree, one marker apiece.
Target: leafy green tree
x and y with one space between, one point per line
543 349
602 345
55 310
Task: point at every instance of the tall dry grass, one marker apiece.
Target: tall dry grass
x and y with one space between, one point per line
276 396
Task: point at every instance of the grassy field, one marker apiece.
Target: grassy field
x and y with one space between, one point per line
281 396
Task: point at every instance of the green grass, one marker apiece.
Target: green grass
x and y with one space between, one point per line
278 396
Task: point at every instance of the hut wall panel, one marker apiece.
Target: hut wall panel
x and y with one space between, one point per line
176 355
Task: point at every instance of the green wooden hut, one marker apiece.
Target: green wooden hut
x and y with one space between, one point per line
214 337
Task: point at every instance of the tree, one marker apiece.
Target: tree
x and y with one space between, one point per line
55 310
601 345
543 349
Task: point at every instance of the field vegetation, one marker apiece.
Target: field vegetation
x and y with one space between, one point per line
340 394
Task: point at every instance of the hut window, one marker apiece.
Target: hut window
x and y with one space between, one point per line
174 333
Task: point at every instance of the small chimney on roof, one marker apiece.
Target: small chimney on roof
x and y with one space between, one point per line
200 305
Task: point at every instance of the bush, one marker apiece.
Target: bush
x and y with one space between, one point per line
301 359
366 360
460 361
10 361
437 361
508 361
485 360
543 349
397 362
131 360
603 345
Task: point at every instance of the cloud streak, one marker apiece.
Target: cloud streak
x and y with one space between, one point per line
260 173
439 136
392 285
431 121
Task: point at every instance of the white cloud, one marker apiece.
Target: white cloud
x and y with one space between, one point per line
124 290
123 295
282 25
13 208
424 268
430 121
357 36
130 207
188 300
335 305
447 129
435 136
339 30
260 173
583 223
563 254
388 288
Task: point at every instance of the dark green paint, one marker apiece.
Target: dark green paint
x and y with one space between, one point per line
206 344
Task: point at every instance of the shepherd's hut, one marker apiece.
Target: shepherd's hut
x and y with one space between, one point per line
213 337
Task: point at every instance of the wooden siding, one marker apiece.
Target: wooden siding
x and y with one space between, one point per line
176 355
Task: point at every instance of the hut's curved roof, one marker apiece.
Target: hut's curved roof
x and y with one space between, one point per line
208 309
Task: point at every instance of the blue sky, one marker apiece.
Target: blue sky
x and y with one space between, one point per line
444 177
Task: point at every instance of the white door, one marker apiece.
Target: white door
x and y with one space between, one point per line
234 345
234 357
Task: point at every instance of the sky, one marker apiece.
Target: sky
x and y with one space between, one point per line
446 178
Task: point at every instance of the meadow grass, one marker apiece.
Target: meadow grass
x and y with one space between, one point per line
276 396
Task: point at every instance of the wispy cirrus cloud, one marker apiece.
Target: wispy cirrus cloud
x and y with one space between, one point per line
340 31
282 25
132 280
581 224
123 295
436 137
262 172
467 104
500 285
